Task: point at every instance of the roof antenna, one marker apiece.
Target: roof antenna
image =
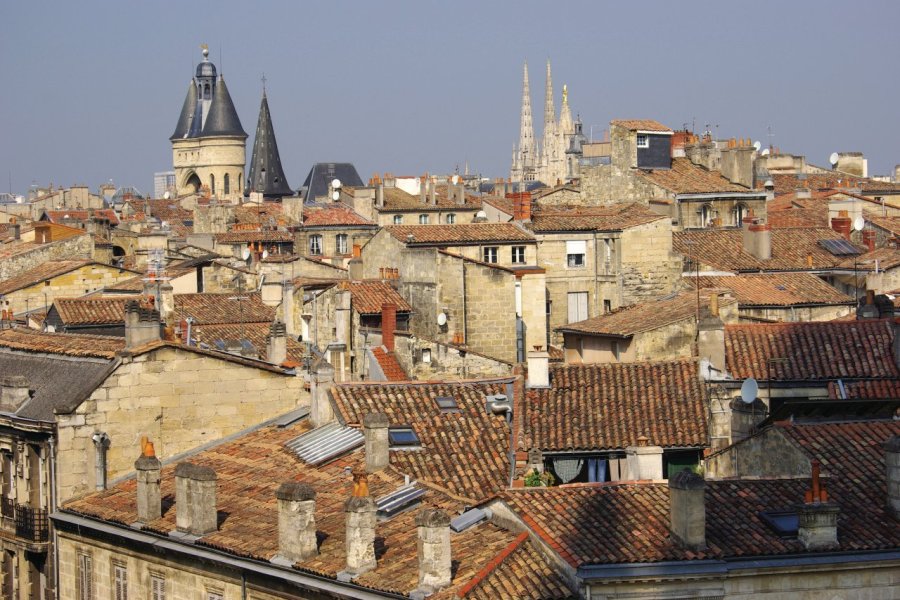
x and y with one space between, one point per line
263 79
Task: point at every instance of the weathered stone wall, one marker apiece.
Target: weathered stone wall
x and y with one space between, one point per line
220 279
562 196
208 157
446 361
75 247
534 309
179 399
768 454
788 315
464 214
214 218
723 209
79 282
649 267
491 311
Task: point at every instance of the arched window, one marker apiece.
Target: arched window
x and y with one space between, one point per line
206 92
226 185
240 181
740 211
212 184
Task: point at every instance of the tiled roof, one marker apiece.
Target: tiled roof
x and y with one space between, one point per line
786 183
270 213
465 452
389 365
891 224
640 125
250 469
609 406
886 258
368 297
644 316
333 215
798 217
875 389
776 289
506 205
207 309
92 310
68 344
614 217
245 237
396 200
723 249
255 333
164 210
57 216
42 272
687 178
813 351
469 233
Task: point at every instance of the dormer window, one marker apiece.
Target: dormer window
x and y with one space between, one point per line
643 140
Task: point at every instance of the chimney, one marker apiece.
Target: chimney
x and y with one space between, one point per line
296 522
433 526
868 239
321 378
287 309
687 509
141 324
167 303
745 417
388 325
643 461
195 499
842 224
538 369
758 240
360 513
16 229
375 429
13 392
423 188
149 500
460 194
892 464
802 192
817 528
276 343
711 336
379 195
432 193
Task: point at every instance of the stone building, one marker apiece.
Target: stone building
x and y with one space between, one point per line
425 201
332 232
28 249
209 143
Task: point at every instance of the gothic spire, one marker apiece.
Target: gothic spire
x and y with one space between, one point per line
222 118
266 174
566 126
549 108
526 131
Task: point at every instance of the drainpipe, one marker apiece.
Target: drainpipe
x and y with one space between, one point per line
465 306
52 447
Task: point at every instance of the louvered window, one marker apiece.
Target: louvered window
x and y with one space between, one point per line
157 587
120 581
85 577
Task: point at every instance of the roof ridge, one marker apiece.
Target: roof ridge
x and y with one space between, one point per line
492 564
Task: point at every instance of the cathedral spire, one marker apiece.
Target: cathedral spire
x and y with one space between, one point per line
549 108
566 126
266 174
526 130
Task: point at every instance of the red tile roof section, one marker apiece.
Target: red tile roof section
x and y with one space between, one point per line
207 309
68 344
687 178
776 289
93 310
389 365
469 233
640 125
368 297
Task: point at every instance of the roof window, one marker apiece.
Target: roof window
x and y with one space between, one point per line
403 437
784 522
447 404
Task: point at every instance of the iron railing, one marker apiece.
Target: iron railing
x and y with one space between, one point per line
31 524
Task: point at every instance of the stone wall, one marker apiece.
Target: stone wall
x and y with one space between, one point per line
78 282
649 267
75 247
207 158
179 399
768 454
790 315
445 361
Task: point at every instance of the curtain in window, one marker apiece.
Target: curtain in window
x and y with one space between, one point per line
567 468
596 469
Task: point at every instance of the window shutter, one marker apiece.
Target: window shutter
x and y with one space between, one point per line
576 247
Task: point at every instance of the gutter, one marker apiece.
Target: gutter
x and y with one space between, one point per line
163 544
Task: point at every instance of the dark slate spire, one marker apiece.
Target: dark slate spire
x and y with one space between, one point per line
266 174
187 114
222 118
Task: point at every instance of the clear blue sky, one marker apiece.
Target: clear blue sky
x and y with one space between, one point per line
92 91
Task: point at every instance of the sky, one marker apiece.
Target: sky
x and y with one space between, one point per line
92 90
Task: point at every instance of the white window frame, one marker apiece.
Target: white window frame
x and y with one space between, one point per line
643 140
489 254
574 250
451 219
518 255
423 219
426 355
315 245
341 242
398 219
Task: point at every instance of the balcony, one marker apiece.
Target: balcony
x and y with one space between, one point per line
29 524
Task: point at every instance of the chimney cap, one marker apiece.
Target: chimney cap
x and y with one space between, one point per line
295 491
687 480
196 472
376 419
432 517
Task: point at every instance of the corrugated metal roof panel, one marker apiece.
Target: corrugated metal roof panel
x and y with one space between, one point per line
326 442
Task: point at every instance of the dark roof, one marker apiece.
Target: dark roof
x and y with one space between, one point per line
222 118
609 406
321 175
183 128
266 174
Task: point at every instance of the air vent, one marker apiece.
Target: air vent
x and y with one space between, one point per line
498 404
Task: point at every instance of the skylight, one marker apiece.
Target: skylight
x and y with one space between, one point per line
398 501
784 523
447 404
403 437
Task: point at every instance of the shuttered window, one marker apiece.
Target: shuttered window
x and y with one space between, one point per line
157 587
578 306
575 252
120 581
85 577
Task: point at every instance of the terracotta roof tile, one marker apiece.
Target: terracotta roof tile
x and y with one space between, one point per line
256 333
332 215
367 297
886 258
645 316
687 178
787 183
640 125
814 351
609 406
92 310
208 309
615 217
270 213
877 389
60 216
891 224
42 272
776 289
469 233
389 365
68 344
245 237
397 200
798 217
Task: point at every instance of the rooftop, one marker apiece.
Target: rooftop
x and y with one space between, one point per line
469 233
684 177
368 297
92 310
207 309
640 125
615 217
776 289
42 272
333 215
66 344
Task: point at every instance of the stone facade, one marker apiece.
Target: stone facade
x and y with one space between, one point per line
206 162
78 246
78 282
426 359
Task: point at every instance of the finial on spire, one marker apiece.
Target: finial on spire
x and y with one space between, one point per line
263 79
565 94
205 49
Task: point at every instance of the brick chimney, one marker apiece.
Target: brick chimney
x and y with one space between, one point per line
375 428
141 324
195 499
817 528
521 206
868 239
276 343
842 223
892 465
296 522
14 392
758 239
687 509
643 461
388 325
360 511
149 500
433 526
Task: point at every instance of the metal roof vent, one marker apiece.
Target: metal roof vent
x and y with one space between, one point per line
326 442
497 404
470 518
398 501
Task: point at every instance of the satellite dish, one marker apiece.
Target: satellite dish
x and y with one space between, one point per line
764 152
166 196
335 195
265 254
455 179
833 159
757 145
442 319
749 390
481 215
859 223
246 253
336 183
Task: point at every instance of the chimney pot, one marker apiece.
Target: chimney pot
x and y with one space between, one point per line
321 378
149 500
276 344
375 428
296 521
687 509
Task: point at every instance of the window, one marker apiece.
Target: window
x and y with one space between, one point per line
489 254
315 244
211 595
607 306
340 243
423 219
451 219
47 282
426 355
575 251
615 350
398 219
518 255
226 184
706 215
643 140
120 582
212 184
740 211
447 404
403 437
157 587
578 306
785 523
85 577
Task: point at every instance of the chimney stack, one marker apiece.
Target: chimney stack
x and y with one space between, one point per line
167 303
13 392
379 195
538 369
892 464
868 239
276 344
687 509
141 324
360 511
758 239
321 378
643 461
296 522
16 229
817 528
433 527
375 428
432 193
802 192
423 184
711 336
195 499
842 224
388 325
149 500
